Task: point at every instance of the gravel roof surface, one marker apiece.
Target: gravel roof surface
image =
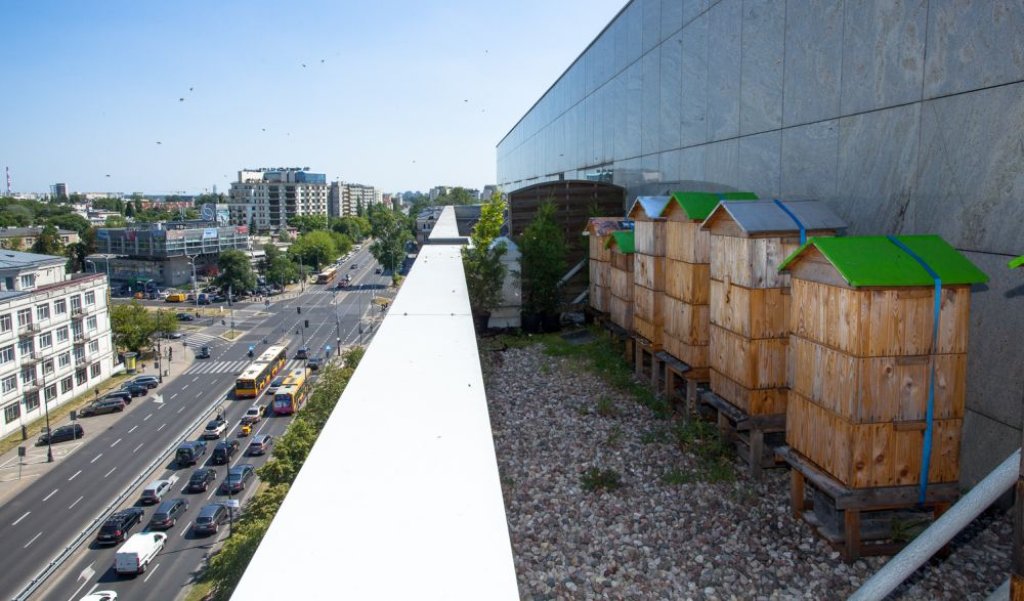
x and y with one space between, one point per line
653 540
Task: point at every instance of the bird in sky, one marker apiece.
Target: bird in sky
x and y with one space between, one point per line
159 142
190 89
181 100
303 65
108 175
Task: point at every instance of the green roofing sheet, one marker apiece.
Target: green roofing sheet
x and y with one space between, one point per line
876 261
698 205
624 240
1018 262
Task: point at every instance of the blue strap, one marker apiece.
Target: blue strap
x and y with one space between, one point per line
926 454
799 224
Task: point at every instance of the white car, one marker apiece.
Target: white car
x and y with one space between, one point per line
215 429
252 415
101 596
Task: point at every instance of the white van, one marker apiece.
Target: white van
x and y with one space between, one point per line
136 553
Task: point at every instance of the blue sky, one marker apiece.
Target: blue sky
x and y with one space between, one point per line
178 96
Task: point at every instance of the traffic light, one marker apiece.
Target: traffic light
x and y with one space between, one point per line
298 310
307 323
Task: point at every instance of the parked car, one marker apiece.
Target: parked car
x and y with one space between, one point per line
100 596
219 298
138 551
101 407
204 353
185 317
260 445
204 299
135 389
210 518
61 434
155 491
378 271
115 529
122 394
201 478
167 514
215 428
237 478
173 335
189 452
223 452
147 381
354 266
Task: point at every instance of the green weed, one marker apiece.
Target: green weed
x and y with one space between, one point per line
595 479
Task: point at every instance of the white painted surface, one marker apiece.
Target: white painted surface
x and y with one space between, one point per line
400 498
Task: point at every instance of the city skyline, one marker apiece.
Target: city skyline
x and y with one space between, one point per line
126 97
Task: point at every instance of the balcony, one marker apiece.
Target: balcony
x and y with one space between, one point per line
79 312
29 358
28 330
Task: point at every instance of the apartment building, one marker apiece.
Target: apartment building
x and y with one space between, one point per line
345 198
55 338
20 238
268 197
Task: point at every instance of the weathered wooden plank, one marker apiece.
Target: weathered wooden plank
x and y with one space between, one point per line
685 241
620 282
753 363
750 312
649 237
688 282
753 401
620 311
649 271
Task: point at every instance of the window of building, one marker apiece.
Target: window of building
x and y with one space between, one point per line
66 385
25 347
76 302
76 330
62 334
94 370
9 283
90 323
60 307
6 324
24 317
50 393
7 354
43 311
28 374
28 281
31 401
47 367
80 377
9 383
45 340
94 346
64 360
12 412
79 354
90 298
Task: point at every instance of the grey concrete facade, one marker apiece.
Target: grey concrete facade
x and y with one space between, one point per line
905 116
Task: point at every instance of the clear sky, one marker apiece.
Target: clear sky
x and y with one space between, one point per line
162 97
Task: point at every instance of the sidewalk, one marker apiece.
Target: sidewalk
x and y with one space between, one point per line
35 464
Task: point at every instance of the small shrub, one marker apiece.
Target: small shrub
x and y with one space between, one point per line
676 476
606 407
595 479
614 437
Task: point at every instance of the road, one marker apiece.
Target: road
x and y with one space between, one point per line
49 514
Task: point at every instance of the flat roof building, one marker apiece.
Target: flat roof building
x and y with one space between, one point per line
267 198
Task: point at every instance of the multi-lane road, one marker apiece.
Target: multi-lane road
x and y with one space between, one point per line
45 517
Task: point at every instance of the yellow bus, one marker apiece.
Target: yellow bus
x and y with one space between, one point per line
291 396
325 276
258 374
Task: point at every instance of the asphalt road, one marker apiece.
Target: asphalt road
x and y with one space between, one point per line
47 515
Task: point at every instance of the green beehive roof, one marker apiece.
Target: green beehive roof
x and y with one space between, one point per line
624 240
698 205
876 261
1018 262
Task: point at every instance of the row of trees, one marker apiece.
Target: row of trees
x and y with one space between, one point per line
133 326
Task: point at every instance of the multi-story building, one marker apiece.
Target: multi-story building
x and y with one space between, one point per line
266 198
59 190
55 341
21 238
165 252
346 198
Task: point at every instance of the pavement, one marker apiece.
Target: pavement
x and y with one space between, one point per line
16 474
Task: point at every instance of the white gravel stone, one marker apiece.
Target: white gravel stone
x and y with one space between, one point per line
652 540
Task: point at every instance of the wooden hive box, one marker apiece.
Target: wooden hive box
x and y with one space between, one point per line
598 232
649 268
864 357
620 279
687 275
749 299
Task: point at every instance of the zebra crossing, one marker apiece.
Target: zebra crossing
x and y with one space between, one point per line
235 367
197 340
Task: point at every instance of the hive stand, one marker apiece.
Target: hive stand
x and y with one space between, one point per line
753 436
858 522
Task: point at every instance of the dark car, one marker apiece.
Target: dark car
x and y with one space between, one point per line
302 353
204 353
200 479
135 389
115 529
189 452
185 317
237 478
61 434
204 299
223 452
147 381
102 406
122 394
219 298
260 444
167 514
210 518
314 363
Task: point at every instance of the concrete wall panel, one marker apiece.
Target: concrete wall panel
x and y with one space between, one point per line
757 167
762 55
724 70
809 160
671 88
814 30
721 163
693 104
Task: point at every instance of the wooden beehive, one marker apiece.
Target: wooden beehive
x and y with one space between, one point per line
598 231
649 268
687 277
620 279
863 357
749 299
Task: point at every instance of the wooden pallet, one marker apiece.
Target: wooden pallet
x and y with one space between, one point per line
753 436
858 522
676 372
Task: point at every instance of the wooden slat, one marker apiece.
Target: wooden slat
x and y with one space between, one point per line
599 272
598 251
685 241
688 282
694 355
599 296
622 261
620 311
649 237
753 363
685 322
752 313
753 401
649 271
750 262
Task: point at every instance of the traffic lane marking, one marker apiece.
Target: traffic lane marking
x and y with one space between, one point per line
47 497
76 502
33 540
25 515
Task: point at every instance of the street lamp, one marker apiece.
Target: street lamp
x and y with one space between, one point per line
49 432
195 282
159 354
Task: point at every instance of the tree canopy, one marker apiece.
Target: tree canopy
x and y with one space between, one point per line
278 268
391 233
314 249
543 261
235 271
308 223
485 273
133 326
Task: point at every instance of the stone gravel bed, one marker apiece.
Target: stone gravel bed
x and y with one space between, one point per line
653 540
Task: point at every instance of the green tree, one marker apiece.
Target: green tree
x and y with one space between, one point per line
132 326
48 242
283 235
70 221
356 228
165 321
235 272
108 204
279 268
115 221
129 211
314 249
342 243
77 253
308 223
456 196
481 261
12 243
543 261
390 233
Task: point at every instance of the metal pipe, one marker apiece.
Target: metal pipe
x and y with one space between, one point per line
914 555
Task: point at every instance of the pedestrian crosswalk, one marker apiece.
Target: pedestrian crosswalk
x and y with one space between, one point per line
229 367
197 340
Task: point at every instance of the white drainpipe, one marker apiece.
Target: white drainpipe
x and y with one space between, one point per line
906 562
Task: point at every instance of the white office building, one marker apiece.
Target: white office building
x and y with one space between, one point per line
55 339
267 198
